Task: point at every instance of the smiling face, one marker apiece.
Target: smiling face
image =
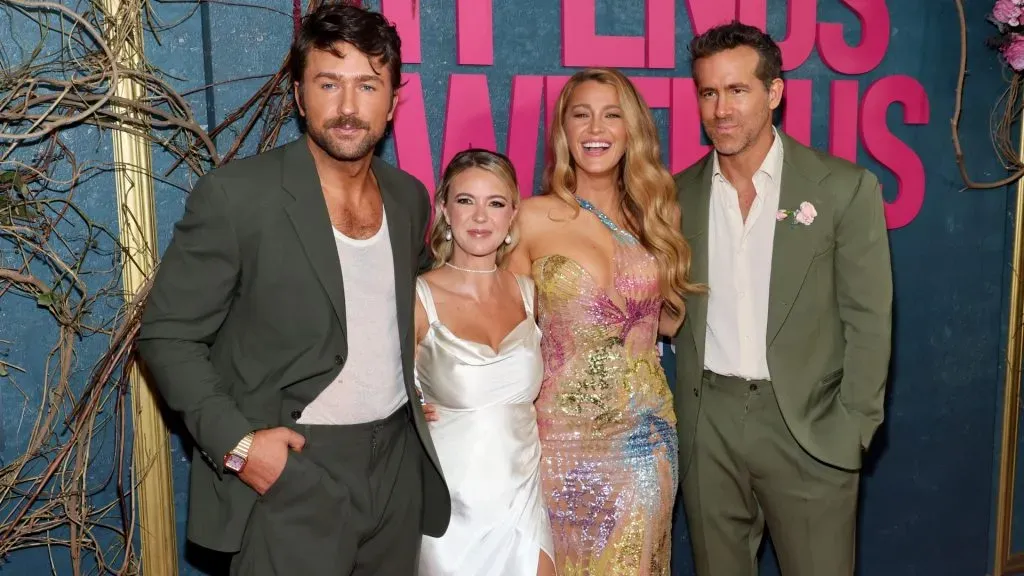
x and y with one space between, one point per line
347 101
479 209
595 128
735 105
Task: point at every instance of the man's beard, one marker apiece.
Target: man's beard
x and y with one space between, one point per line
349 151
741 142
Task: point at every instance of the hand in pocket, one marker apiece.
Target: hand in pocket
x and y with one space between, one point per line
268 456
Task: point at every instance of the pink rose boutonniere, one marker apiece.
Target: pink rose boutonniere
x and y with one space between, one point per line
803 215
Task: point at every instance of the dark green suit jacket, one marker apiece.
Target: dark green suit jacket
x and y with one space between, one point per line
245 324
830 305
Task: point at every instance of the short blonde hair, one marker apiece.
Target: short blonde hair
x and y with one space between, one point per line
493 162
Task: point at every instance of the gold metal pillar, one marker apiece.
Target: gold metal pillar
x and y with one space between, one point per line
1007 561
137 220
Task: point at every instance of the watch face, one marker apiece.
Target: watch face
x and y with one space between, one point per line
234 462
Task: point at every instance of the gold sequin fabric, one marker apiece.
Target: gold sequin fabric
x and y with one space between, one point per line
607 427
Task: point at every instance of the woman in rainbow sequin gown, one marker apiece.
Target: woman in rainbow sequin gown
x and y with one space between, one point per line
603 245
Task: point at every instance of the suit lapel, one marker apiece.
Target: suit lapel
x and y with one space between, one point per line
793 246
396 196
399 225
696 211
309 217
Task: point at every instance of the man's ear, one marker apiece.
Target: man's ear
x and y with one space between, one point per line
775 90
297 94
394 105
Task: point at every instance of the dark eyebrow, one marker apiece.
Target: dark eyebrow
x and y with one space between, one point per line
360 78
733 86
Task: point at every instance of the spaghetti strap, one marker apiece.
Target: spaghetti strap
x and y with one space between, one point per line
526 290
427 299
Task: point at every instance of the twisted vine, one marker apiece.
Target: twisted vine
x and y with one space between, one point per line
1002 121
57 494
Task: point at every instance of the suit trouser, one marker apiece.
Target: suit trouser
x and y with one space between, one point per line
746 470
349 504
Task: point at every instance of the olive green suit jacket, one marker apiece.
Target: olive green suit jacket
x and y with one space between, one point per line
246 324
829 326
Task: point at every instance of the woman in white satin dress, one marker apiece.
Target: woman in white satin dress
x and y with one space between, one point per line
479 368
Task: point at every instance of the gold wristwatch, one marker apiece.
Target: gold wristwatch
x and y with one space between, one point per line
239 455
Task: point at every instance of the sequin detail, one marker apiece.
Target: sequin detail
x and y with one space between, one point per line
619 232
607 427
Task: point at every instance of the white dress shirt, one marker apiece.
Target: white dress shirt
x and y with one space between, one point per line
739 271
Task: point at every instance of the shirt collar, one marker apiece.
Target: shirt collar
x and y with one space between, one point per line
771 166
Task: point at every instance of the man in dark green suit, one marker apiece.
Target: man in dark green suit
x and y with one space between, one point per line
280 326
782 364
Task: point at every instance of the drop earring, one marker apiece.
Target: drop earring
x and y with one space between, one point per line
448 235
508 238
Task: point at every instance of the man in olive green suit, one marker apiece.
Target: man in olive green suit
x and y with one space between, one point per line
782 364
280 326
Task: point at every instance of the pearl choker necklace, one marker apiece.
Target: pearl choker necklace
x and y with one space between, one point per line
450 265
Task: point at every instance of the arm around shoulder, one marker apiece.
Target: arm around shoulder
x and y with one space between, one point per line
864 291
189 300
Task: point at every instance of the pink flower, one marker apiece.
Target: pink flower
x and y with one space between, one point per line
803 215
1013 52
1007 12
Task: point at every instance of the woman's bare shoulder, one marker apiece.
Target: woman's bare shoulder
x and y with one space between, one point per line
544 207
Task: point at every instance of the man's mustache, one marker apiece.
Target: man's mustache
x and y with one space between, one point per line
348 122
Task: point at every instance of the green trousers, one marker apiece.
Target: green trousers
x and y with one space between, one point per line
747 471
349 504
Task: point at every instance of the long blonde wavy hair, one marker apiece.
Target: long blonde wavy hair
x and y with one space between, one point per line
647 191
493 162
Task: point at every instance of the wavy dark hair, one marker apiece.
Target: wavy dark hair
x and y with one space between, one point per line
334 22
736 34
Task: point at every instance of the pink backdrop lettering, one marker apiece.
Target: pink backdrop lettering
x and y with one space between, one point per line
855 118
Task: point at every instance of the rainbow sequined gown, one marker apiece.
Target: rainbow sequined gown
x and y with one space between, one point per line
609 463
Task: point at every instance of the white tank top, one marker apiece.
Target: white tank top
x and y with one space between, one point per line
371 385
